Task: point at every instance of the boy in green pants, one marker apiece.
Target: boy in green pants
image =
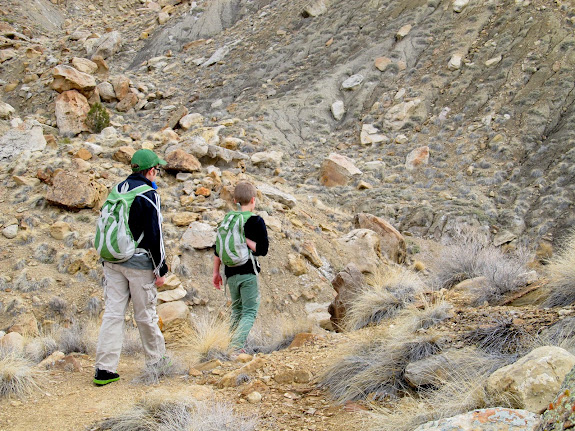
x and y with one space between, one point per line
242 279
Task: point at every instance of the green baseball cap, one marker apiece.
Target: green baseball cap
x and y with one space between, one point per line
145 159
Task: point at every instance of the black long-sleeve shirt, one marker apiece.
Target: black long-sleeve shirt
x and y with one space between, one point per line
254 229
146 217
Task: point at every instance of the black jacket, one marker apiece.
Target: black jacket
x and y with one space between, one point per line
145 217
255 229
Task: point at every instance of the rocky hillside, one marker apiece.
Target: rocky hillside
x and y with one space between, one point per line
375 130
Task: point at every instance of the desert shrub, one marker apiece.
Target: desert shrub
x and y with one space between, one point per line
155 413
17 375
501 336
132 345
413 319
45 253
470 255
165 367
560 334
263 340
375 366
211 337
76 337
58 305
94 306
383 297
561 274
97 118
38 348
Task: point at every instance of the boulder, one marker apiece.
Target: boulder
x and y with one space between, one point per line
533 381
314 8
199 236
172 295
128 102
337 170
124 154
338 110
15 141
68 78
561 412
371 135
6 110
105 46
494 419
363 248
189 120
71 110
347 284
12 342
392 242
174 321
179 160
277 195
267 158
106 91
75 191
84 65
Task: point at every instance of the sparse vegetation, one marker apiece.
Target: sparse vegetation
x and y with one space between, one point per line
384 295
561 274
470 255
264 340
374 366
17 375
97 118
212 337
166 412
461 389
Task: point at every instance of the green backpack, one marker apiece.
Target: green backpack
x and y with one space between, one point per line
231 244
114 241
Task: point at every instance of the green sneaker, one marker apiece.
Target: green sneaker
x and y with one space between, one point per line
103 377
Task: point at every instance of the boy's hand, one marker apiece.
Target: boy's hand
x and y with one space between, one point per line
217 280
251 244
160 281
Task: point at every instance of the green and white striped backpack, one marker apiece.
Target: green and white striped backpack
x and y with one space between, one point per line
114 241
231 239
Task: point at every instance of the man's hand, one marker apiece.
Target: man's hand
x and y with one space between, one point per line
160 281
217 280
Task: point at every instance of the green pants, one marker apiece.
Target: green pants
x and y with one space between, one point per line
245 304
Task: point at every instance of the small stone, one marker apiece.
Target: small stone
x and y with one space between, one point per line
10 232
254 397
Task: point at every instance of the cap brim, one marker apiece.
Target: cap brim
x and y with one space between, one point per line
162 162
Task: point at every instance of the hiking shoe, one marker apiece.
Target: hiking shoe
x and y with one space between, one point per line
103 377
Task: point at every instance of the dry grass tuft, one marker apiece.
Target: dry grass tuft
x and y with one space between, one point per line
176 413
212 337
461 390
263 340
17 375
471 255
561 274
166 367
383 297
374 367
412 319
561 334
38 348
501 337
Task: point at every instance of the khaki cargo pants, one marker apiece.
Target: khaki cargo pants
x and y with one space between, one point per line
122 284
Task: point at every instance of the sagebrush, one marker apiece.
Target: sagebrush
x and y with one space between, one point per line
561 274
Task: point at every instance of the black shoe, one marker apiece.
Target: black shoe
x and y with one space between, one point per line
103 377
